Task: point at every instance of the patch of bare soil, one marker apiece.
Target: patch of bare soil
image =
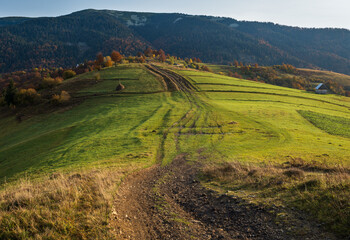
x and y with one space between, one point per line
170 203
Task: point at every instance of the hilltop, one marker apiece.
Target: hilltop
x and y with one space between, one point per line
71 39
175 154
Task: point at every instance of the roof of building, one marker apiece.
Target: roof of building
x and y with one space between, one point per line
321 86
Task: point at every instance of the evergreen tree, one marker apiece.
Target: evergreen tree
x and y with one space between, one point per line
10 93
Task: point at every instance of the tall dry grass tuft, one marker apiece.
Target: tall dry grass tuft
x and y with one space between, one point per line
249 175
75 206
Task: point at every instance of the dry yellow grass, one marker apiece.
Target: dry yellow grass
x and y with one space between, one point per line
316 188
61 206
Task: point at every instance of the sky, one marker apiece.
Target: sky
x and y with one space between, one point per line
302 13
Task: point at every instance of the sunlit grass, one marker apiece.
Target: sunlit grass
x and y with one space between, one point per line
227 120
268 126
331 124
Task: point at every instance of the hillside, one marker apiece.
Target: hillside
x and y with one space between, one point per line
132 164
71 39
341 79
289 76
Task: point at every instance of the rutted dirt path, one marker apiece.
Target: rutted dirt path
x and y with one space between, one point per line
170 203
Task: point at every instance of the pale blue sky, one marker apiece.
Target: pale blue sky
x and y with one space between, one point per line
304 13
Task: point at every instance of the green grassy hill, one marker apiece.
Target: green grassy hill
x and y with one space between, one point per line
224 120
104 129
271 129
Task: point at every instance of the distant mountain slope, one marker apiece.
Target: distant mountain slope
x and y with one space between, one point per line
70 39
63 41
8 21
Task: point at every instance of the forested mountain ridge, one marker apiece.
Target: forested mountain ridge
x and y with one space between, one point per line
70 39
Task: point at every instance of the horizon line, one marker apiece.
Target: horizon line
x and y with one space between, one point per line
189 14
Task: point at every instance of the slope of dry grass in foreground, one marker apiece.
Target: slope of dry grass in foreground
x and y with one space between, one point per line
315 188
75 206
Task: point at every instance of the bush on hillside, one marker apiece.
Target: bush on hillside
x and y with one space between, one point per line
69 74
109 63
97 76
64 96
61 98
206 68
26 97
49 82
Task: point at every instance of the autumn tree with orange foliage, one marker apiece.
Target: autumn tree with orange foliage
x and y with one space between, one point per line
108 63
162 56
149 52
116 57
99 59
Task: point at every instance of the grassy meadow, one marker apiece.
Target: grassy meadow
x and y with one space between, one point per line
267 125
250 126
105 129
331 124
278 146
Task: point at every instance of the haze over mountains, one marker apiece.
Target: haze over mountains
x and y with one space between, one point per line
71 39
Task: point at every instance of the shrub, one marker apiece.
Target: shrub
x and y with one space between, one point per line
62 98
98 67
55 99
97 76
205 68
58 80
51 82
108 63
68 74
27 97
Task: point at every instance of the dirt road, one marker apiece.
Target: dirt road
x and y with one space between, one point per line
170 203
